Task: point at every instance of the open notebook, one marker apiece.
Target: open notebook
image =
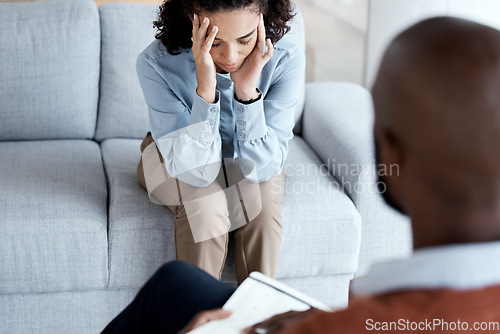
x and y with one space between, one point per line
256 299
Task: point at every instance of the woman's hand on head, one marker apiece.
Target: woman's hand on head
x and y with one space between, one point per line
246 78
205 67
204 317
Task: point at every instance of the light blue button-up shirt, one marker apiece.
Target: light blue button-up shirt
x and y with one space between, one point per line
193 136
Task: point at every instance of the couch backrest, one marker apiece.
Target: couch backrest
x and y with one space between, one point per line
126 30
49 69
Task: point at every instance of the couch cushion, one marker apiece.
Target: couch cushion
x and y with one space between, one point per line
140 233
126 30
321 228
298 36
53 222
49 69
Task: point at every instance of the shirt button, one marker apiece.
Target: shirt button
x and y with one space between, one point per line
213 109
211 123
240 109
241 136
207 136
241 122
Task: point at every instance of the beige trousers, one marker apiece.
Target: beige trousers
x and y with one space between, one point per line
205 216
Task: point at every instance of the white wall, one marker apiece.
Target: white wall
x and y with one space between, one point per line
386 18
353 12
483 11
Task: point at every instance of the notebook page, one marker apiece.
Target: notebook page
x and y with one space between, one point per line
290 291
256 299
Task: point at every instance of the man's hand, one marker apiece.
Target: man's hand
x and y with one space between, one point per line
245 79
204 317
278 322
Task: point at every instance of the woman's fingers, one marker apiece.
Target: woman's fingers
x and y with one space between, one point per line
196 26
211 37
202 39
270 49
202 32
262 41
200 29
261 36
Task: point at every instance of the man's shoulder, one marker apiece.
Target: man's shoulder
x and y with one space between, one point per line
402 310
405 307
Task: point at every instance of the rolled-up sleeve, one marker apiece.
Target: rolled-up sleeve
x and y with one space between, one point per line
187 136
264 127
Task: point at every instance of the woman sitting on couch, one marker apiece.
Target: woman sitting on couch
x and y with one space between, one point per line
221 92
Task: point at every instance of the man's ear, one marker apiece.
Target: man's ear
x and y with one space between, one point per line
389 149
391 169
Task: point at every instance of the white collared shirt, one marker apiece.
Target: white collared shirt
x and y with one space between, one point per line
459 266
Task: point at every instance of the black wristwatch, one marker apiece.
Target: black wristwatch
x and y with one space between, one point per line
249 101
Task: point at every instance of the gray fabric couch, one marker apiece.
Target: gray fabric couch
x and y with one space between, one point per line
79 236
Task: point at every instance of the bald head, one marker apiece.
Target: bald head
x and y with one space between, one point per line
438 93
437 103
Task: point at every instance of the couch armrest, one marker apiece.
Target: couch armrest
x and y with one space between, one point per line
337 124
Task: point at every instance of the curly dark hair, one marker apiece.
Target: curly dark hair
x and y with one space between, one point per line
174 27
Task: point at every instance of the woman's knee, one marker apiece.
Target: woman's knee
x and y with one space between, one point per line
205 218
204 209
270 213
267 223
